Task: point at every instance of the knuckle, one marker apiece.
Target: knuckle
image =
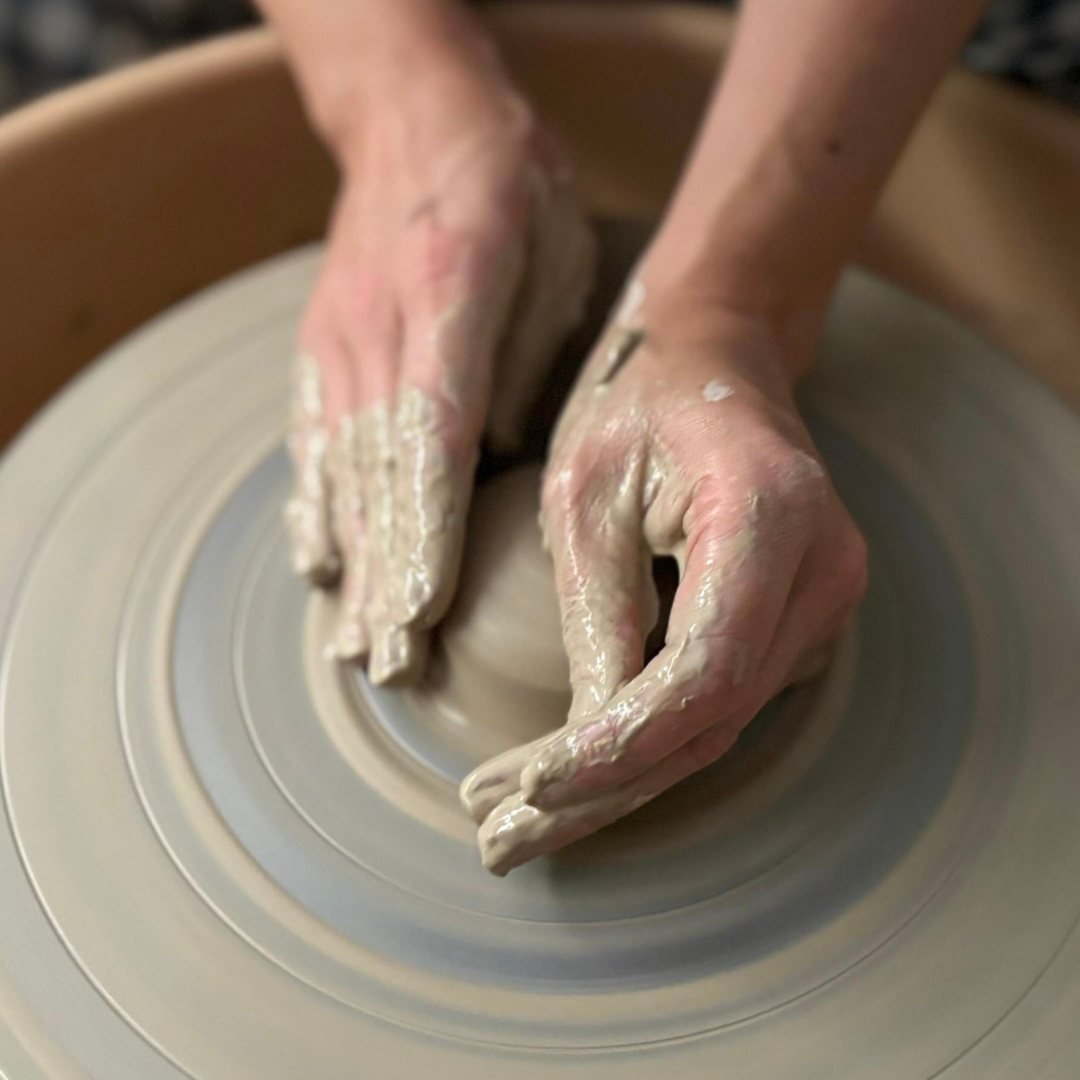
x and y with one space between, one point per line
799 479
358 299
851 567
844 577
452 259
786 479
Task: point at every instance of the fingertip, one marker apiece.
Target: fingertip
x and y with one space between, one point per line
398 654
510 835
412 601
483 789
313 555
422 593
499 778
352 641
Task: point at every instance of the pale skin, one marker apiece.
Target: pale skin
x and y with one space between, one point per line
457 258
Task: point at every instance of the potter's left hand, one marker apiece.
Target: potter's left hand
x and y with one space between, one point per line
681 438
457 258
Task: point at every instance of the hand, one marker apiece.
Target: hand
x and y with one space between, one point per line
681 438
458 257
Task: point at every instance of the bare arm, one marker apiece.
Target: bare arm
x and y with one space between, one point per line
349 56
814 106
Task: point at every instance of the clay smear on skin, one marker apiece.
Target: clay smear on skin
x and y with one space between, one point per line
395 498
307 511
416 498
431 493
516 829
413 493
715 390
350 534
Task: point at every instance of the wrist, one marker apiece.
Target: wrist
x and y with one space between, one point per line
431 59
702 291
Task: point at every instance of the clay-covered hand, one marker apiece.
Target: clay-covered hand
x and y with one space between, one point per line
458 257
681 438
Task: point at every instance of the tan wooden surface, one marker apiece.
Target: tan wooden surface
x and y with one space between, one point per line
127 193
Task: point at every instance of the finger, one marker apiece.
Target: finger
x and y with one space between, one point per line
816 613
395 652
559 269
461 266
307 511
432 490
372 329
398 654
726 611
517 831
828 585
810 665
352 639
497 779
592 512
606 598
827 590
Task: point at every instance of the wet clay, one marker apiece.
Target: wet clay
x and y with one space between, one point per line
499 673
308 509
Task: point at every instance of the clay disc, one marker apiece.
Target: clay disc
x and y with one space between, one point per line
224 858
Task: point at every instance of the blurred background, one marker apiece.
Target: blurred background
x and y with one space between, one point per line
45 44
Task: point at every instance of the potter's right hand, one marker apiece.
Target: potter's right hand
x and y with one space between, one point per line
681 438
458 256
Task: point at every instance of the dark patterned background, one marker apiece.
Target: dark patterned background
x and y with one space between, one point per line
47 43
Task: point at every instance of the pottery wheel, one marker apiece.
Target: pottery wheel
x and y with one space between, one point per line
223 857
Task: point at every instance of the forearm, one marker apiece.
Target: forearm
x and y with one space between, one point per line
816 102
350 54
